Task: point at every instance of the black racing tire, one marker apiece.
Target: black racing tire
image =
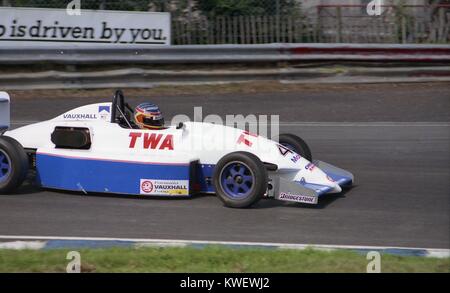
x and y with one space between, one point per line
250 180
13 154
296 144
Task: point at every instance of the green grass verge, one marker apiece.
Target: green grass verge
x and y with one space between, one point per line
211 259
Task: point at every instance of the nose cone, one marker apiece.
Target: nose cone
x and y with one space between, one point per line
336 188
313 177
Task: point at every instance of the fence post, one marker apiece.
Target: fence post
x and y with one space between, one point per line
416 31
102 5
175 32
248 29
189 19
217 30
289 28
224 30
277 28
242 29
270 28
277 20
253 29
235 30
441 35
319 24
339 24
188 33
403 29
266 29
230 29
260 29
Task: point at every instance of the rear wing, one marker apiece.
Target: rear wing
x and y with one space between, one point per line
4 111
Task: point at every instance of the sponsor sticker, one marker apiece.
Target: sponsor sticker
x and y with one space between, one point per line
310 166
284 150
103 112
80 116
151 141
295 158
298 198
146 186
164 187
245 138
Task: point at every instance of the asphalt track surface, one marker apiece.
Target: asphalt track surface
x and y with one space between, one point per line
395 139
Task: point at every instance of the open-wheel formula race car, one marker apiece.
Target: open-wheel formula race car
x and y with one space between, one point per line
97 149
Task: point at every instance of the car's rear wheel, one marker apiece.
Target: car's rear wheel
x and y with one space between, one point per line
296 144
240 179
13 164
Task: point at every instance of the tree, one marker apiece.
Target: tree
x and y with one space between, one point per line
247 7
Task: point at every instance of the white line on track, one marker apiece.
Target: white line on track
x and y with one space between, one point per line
324 124
366 124
435 252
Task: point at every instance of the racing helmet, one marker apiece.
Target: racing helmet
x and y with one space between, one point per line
148 116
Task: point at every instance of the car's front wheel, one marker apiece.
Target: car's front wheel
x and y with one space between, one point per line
240 179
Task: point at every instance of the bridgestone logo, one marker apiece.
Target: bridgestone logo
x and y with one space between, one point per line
298 198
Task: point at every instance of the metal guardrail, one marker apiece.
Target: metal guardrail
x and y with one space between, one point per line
146 78
134 73
186 54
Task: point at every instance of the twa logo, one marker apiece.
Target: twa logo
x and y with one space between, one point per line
151 140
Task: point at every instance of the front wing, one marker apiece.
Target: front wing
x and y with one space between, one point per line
309 193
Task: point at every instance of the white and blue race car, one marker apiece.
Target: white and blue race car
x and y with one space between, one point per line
97 149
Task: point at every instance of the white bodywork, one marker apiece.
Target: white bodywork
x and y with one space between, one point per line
202 142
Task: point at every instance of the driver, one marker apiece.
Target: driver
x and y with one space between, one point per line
148 116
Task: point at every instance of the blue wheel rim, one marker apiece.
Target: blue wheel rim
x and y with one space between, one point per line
5 166
237 180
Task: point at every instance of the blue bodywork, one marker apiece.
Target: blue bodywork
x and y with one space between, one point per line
102 175
123 177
